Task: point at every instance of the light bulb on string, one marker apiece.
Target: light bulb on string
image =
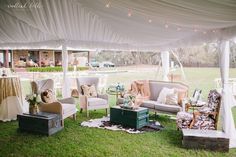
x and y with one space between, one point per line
213 31
129 13
204 32
108 5
166 26
150 20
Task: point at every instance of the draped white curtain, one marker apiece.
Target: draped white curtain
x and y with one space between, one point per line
165 60
228 100
88 24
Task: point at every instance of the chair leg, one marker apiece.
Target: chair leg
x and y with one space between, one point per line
81 110
62 123
87 113
74 116
106 111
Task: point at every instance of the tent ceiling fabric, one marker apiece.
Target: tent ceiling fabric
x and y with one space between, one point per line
153 25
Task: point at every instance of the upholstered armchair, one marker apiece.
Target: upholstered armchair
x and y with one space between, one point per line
65 107
91 103
205 118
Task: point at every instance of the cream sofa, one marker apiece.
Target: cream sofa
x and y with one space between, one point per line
155 89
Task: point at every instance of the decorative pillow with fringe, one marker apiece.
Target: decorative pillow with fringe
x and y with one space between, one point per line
172 99
48 96
89 91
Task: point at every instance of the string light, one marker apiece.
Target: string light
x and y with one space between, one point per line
166 26
108 5
129 13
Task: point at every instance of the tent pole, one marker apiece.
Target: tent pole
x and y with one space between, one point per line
165 59
6 59
65 85
181 65
227 96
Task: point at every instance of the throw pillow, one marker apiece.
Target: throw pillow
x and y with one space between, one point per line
89 91
182 93
48 96
164 92
172 99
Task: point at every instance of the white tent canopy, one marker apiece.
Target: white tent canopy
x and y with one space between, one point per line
143 25
133 25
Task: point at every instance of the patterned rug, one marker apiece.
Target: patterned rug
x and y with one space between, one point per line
104 123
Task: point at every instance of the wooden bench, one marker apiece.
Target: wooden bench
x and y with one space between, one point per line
205 139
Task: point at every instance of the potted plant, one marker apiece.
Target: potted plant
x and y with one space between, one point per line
33 101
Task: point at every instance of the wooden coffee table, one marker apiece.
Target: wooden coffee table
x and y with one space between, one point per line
137 118
205 139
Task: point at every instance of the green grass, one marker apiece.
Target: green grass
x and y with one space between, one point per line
53 69
75 140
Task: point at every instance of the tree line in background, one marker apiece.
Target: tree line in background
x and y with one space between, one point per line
206 55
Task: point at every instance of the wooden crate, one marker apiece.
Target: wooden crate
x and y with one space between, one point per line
43 123
205 139
131 118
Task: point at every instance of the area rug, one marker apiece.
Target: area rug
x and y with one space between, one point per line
104 123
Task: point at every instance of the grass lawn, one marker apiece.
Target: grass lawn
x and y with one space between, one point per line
75 140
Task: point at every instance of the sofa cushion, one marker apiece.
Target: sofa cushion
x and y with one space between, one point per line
164 92
156 87
182 93
96 101
172 99
148 104
68 107
167 108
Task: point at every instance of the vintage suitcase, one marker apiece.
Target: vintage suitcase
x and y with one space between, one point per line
132 118
43 123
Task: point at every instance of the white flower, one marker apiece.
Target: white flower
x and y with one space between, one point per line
38 99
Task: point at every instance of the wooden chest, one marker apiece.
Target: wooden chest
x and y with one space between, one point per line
43 123
205 139
132 118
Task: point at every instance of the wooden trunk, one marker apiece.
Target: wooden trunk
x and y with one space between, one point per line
43 123
205 139
131 118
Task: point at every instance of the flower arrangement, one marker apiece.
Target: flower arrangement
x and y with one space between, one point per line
33 100
129 100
